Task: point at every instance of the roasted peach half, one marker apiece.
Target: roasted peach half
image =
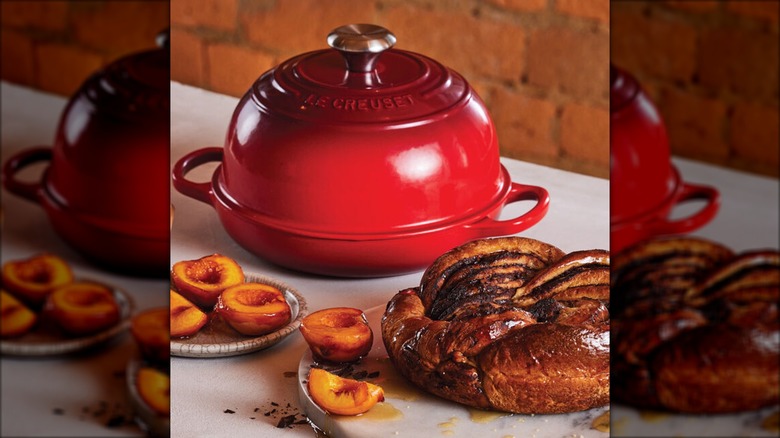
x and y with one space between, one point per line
151 331
340 396
186 318
253 308
33 279
16 319
154 387
202 280
82 308
338 334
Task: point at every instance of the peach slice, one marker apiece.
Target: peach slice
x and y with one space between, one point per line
154 387
151 331
82 307
186 318
202 280
33 279
337 334
253 308
15 318
340 396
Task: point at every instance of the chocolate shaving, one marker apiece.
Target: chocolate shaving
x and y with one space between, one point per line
116 421
287 421
229 411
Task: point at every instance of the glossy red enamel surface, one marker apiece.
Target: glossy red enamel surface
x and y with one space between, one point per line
322 152
106 187
644 184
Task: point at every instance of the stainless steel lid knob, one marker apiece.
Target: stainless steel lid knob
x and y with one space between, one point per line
361 45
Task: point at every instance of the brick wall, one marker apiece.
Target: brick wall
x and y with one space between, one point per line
540 65
55 45
711 67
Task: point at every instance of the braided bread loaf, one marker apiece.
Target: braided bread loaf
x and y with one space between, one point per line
696 326
510 324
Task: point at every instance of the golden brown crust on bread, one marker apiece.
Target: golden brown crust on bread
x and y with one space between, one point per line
547 368
701 336
483 329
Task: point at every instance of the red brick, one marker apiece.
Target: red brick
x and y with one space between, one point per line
742 61
117 28
62 69
292 27
696 125
45 15
574 62
594 9
666 49
585 134
232 70
215 14
699 6
17 55
754 133
187 58
521 5
525 126
763 10
471 46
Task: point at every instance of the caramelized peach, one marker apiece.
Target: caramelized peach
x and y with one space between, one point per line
33 279
15 318
337 395
253 308
151 331
186 318
338 334
154 387
82 307
202 280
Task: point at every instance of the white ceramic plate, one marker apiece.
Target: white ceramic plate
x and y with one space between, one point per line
147 419
47 340
217 339
411 412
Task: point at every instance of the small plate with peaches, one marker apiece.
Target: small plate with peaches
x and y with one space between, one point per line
217 310
148 376
46 311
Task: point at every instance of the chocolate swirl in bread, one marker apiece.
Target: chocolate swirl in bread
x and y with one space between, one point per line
696 326
511 324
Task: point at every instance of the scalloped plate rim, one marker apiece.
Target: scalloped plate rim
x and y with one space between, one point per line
244 344
20 347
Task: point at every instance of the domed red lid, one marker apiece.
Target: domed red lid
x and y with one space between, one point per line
361 79
137 85
623 88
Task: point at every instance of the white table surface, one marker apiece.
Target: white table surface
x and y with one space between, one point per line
203 389
32 389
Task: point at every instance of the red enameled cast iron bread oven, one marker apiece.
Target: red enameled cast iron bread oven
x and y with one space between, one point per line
106 189
359 160
644 184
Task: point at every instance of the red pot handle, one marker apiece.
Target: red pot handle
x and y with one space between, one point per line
519 192
200 191
18 162
690 192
